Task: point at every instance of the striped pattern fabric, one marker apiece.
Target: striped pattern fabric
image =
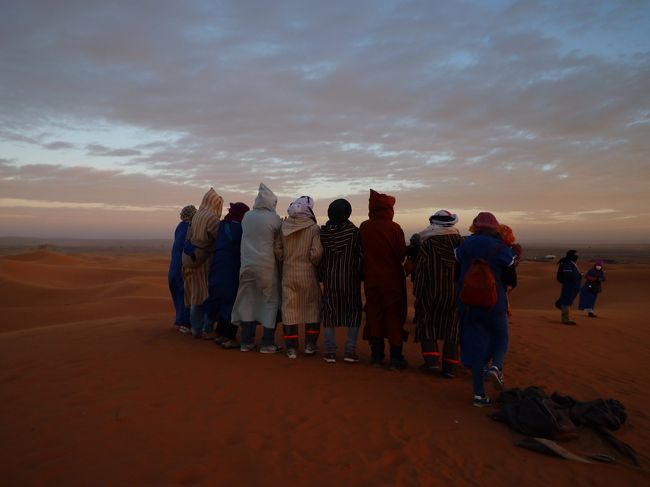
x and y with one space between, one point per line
300 253
202 232
435 289
340 272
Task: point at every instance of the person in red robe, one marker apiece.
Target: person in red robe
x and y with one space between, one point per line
384 250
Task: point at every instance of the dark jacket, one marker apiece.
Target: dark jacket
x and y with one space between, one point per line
570 275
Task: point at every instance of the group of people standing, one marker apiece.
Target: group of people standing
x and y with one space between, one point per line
255 268
569 275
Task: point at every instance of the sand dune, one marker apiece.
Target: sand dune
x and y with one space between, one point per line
45 288
99 389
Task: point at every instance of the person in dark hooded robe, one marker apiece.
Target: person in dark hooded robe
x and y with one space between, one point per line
340 273
384 250
570 276
223 280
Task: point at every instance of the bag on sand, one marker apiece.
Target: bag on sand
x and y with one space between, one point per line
479 285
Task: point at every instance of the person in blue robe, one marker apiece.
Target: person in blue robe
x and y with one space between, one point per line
175 274
484 331
223 280
592 288
570 276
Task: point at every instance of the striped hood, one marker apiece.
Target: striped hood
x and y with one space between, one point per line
212 202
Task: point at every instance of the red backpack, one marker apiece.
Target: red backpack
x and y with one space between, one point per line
479 285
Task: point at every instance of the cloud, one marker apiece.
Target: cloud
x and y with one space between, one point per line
100 150
27 203
518 106
57 145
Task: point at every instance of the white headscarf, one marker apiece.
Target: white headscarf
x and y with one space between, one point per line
302 207
301 216
442 223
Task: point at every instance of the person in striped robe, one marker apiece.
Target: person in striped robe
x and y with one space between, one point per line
435 292
299 250
340 273
197 258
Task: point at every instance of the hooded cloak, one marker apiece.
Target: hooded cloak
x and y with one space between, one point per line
201 236
384 250
258 295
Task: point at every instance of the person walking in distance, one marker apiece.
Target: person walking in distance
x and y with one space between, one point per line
569 276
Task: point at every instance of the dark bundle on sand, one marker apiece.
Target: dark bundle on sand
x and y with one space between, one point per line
533 413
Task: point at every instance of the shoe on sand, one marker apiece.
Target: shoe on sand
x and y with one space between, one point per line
351 358
495 376
229 344
270 349
330 358
482 401
311 349
429 369
398 364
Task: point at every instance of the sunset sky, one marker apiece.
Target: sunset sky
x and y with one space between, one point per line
113 115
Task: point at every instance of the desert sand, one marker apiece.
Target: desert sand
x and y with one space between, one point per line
98 388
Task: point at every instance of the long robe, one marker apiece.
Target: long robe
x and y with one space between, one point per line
258 296
435 291
299 249
223 281
384 250
340 272
202 233
588 297
570 284
175 274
